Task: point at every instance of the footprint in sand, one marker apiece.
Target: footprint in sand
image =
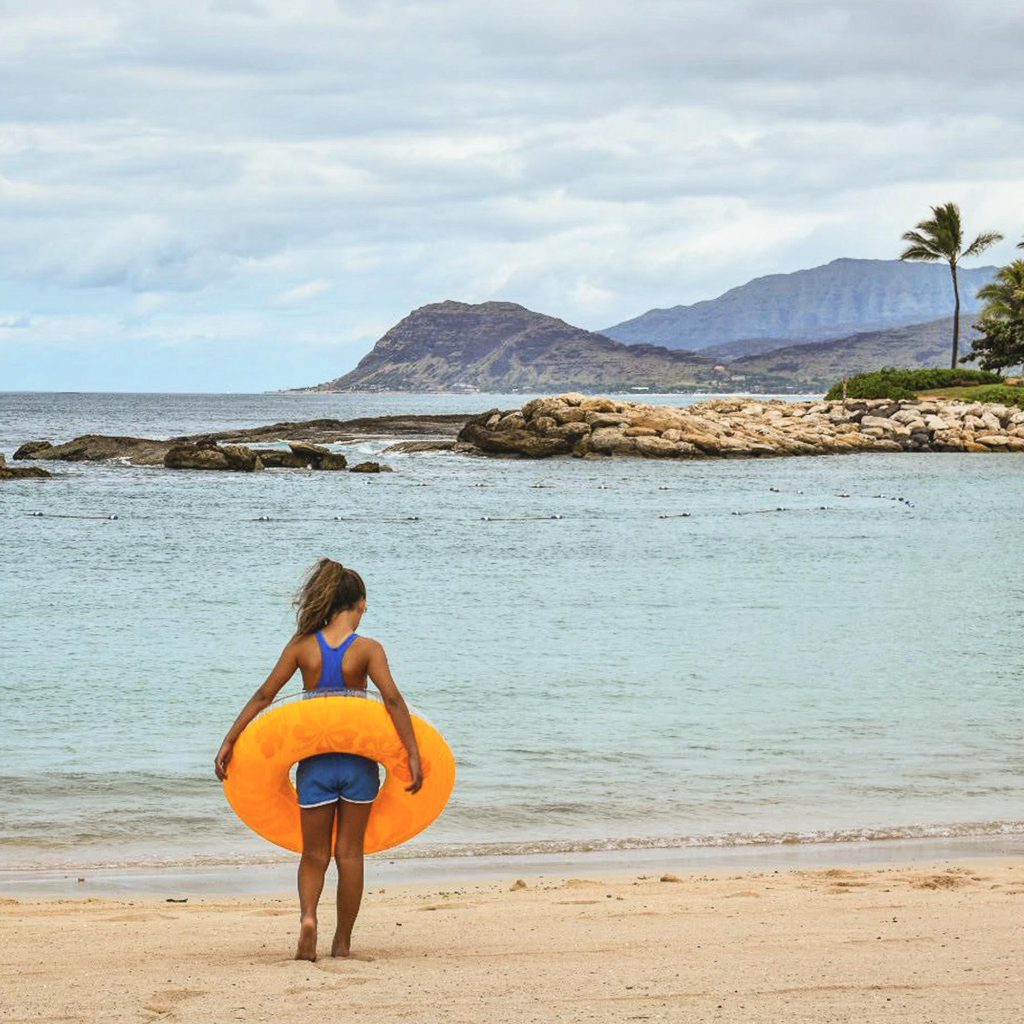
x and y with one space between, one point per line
350 980
949 880
336 964
166 1000
139 917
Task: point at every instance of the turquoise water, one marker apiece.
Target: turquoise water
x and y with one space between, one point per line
813 667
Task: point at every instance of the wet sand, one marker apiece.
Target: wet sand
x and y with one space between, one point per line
922 942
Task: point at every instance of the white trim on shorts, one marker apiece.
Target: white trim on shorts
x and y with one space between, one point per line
334 800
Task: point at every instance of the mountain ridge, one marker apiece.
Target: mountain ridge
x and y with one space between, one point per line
834 300
821 364
502 346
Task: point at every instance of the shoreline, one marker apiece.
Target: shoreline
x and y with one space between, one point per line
273 878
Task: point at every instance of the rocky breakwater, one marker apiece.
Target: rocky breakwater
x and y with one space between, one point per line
573 424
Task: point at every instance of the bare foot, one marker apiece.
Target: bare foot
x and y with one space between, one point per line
307 942
341 946
342 950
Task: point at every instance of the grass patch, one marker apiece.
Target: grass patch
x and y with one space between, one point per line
998 394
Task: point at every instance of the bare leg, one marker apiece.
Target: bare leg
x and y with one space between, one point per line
349 856
317 826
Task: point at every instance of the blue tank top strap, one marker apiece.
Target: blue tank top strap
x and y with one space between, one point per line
347 643
332 677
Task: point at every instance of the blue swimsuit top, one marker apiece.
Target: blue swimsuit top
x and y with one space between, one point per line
332 678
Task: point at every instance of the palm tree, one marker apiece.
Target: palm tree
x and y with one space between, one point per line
1004 294
942 238
1000 339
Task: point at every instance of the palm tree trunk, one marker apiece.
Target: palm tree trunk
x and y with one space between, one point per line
956 313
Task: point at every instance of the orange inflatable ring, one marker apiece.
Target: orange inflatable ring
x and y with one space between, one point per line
259 787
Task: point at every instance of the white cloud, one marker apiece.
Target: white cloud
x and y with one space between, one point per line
589 159
302 293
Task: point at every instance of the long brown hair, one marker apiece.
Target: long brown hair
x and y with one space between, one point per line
328 588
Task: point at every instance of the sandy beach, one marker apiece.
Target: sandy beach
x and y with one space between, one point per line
928 942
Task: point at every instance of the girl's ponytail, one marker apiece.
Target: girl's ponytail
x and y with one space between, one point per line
328 588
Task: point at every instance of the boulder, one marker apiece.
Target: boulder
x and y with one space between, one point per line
571 432
543 424
514 442
542 407
657 447
996 442
370 467
569 414
278 458
599 419
512 421
318 457
881 423
32 449
22 472
609 441
598 405
234 458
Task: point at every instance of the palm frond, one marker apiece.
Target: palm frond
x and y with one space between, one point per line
921 247
982 242
920 252
949 226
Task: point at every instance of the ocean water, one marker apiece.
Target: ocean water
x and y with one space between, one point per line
621 653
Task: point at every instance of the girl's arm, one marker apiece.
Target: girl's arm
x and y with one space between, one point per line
380 673
262 698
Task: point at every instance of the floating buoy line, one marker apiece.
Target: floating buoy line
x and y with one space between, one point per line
266 518
71 515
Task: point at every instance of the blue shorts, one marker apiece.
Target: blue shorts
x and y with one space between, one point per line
327 778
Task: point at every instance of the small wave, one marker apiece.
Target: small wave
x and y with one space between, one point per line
721 840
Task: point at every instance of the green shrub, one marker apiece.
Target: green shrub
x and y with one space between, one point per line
890 382
1000 394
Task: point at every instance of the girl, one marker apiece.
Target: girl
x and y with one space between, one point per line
331 656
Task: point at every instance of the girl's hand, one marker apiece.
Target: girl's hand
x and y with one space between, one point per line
416 770
220 762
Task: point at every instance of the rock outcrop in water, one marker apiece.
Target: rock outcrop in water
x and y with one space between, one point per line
139 451
20 472
232 457
242 459
304 453
573 424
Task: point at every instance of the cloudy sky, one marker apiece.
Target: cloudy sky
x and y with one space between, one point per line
244 194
